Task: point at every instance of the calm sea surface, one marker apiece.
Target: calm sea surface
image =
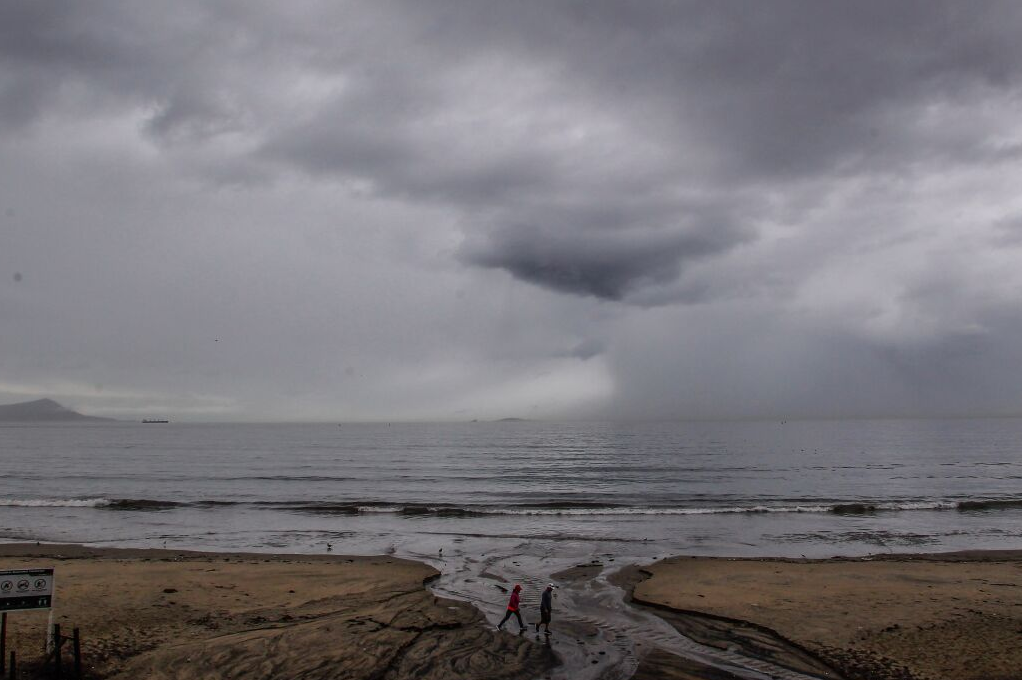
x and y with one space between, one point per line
768 488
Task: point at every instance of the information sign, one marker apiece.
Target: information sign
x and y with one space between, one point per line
26 589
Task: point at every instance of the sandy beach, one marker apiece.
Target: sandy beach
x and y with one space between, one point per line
183 615
954 616
186 615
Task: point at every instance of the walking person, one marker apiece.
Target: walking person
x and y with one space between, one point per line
546 607
512 608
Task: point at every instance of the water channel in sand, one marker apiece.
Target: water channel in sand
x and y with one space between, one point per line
596 634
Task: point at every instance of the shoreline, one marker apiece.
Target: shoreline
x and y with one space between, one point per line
927 616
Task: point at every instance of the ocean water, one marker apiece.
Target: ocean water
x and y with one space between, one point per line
520 501
791 488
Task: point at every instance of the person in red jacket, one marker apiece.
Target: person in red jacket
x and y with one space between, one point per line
512 608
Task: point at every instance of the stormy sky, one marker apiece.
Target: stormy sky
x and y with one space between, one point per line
460 209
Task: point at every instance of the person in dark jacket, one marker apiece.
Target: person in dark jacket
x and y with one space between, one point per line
512 608
546 607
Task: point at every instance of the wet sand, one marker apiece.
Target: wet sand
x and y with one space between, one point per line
166 614
174 614
954 616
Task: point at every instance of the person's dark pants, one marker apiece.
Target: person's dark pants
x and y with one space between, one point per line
544 620
521 624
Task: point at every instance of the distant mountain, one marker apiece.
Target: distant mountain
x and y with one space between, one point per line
41 410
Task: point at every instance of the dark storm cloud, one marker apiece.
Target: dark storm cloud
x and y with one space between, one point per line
754 190
705 93
602 260
752 96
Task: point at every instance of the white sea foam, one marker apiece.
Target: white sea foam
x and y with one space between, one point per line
54 502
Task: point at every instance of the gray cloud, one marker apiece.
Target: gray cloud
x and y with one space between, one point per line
1008 232
754 97
587 349
708 94
333 186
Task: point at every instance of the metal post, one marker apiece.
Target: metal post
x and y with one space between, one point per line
57 640
78 654
49 629
49 618
3 642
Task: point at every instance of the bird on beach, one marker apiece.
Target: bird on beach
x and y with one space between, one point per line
329 547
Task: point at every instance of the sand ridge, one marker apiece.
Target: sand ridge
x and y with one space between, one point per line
927 617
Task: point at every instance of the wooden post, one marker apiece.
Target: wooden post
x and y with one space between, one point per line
77 638
13 667
3 642
57 640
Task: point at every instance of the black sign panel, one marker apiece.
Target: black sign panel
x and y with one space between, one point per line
8 604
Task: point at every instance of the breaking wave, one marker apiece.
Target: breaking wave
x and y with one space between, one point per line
412 510
110 503
53 502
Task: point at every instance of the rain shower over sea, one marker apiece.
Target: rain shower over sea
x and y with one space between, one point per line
563 490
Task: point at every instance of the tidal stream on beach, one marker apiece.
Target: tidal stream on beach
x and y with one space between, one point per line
597 635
